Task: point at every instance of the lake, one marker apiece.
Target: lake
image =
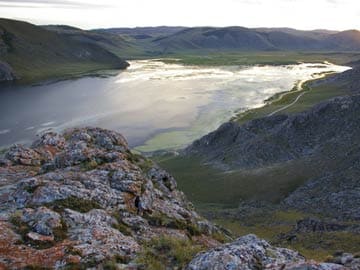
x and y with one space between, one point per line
155 105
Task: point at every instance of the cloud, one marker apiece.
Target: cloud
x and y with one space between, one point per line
48 3
89 14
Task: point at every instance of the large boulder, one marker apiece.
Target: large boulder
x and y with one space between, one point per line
251 253
246 253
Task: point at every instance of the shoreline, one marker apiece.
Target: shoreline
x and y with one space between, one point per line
97 73
301 87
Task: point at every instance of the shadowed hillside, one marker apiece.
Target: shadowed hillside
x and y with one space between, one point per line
35 53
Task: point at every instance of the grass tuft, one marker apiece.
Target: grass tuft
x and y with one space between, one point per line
167 252
74 203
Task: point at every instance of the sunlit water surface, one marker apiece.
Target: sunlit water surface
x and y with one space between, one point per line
155 105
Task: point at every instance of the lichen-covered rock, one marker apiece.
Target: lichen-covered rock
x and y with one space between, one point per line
97 237
84 196
42 220
246 253
21 155
313 266
252 253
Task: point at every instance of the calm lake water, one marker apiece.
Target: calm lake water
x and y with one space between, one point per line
155 105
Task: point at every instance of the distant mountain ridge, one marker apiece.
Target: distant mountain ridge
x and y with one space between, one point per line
34 53
148 31
241 38
167 39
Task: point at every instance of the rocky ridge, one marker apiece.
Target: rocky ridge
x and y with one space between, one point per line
82 199
70 200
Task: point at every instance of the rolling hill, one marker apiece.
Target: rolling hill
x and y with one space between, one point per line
346 40
121 46
144 32
214 38
164 40
245 39
35 53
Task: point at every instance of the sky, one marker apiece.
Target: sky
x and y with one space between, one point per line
89 14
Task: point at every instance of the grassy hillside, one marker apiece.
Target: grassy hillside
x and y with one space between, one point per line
206 185
260 45
144 32
121 45
245 39
37 54
215 38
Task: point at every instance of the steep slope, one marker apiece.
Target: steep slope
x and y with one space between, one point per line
35 53
83 199
322 144
281 138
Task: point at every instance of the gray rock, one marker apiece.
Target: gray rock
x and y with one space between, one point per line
246 253
317 225
42 220
163 179
20 155
96 236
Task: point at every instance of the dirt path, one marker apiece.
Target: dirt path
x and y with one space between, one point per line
287 106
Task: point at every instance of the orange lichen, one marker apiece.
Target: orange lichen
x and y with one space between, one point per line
19 255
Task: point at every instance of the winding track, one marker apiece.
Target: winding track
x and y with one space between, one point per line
287 106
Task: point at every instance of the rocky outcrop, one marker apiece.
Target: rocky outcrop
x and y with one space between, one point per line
83 198
350 261
317 225
324 141
280 138
252 253
335 194
348 80
6 72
